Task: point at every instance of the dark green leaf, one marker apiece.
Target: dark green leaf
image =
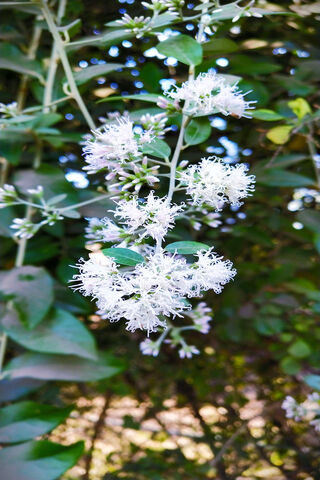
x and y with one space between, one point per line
27 420
282 178
299 349
157 148
123 256
197 131
182 47
144 97
59 333
41 460
89 73
186 248
31 290
310 219
12 59
62 367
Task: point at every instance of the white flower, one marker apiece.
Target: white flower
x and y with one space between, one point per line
151 291
293 408
102 230
155 123
115 143
9 110
187 351
316 424
210 272
210 93
136 25
148 347
155 216
37 192
8 195
214 183
201 316
25 228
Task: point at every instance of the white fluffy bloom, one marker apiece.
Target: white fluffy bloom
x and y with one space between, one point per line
151 291
210 272
103 230
214 183
210 93
201 315
115 142
155 216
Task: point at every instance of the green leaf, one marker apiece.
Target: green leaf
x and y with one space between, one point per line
288 159
27 420
231 10
89 73
41 460
198 131
276 177
266 115
31 290
300 107
290 365
184 48
186 248
11 150
12 59
299 349
123 256
157 148
64 368
253 65
313 381
280 135
14 389
144 97
310 219
220 45
59 333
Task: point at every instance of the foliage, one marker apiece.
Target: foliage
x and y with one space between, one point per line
57 64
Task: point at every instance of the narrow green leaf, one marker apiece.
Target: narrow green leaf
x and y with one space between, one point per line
27 420
62 367
87 74
123 256
41 460
144 97
186 248
182 47
12 59
310 219
266 115
276 177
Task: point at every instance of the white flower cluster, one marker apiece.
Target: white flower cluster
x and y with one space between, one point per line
152 291
214 183
154 217
201 316
210 93
308 411
114 144
103 230
155 123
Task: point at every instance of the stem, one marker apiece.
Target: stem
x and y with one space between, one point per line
86 202
23 88
66 65
175 158
54 59
313 154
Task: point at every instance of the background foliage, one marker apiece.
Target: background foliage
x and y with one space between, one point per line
218 415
